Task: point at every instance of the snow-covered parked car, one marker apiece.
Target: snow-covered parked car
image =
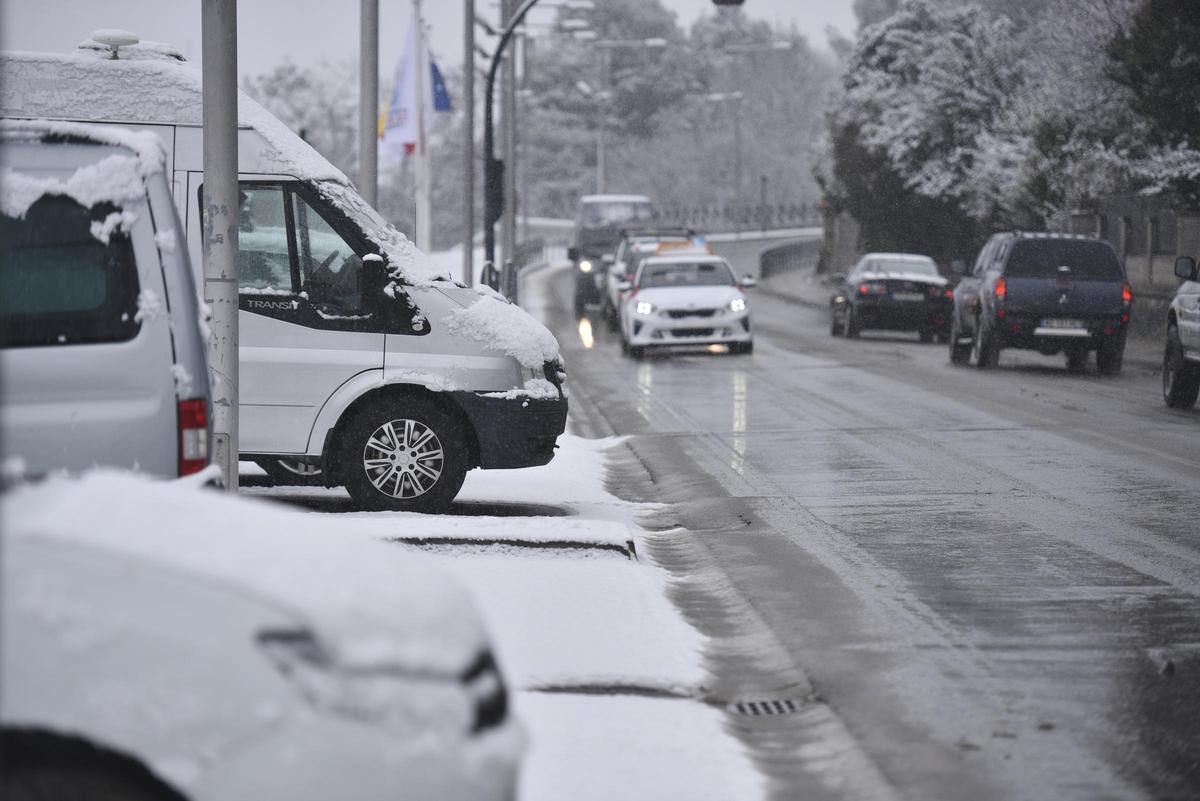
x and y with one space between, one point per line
159 641
101 337
358 360
689 299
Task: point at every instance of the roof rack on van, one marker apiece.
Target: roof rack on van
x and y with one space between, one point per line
1048 235
677 230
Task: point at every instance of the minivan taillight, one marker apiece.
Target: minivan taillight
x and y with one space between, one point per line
193 436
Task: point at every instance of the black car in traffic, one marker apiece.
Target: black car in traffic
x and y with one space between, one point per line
892 292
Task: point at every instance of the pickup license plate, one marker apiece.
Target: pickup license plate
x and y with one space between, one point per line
908 297
1055 322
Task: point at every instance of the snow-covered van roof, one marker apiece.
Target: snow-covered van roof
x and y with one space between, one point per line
897 257
614 199
142 85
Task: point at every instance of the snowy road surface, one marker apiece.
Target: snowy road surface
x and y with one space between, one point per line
988 579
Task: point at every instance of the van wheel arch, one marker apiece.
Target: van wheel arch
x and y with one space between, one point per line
28 750
331 453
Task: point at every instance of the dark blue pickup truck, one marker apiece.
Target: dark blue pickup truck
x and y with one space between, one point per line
1052 293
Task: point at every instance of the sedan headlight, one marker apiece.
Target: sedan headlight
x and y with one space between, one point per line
585 266
737 305
644 307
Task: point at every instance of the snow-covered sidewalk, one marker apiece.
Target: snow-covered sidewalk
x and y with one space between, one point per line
609 679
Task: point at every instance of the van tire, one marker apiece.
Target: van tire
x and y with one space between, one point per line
401 429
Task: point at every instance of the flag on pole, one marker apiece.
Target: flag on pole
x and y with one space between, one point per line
398 124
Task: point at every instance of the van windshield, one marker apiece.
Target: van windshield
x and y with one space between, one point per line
611 213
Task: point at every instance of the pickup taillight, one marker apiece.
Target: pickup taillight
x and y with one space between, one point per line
193 435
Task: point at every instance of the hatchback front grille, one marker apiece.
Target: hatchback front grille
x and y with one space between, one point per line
679 314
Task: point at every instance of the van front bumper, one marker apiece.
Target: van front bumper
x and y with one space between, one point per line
514 432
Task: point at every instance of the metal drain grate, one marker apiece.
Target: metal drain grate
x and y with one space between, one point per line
787 706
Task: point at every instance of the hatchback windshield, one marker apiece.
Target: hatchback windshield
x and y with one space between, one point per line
1043 257
708 273
898 267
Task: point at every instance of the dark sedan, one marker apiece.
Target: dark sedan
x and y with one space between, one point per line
892 292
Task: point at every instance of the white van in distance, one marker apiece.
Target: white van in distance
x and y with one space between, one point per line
356 359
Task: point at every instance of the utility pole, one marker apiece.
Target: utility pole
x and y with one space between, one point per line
492 167
424 201
602 123
468 102
218 23
508 144
368 100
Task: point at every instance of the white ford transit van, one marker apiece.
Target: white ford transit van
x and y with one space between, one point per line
357 360
102 358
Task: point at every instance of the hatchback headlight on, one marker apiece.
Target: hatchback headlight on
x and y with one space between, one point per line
585 266
737 305
644 307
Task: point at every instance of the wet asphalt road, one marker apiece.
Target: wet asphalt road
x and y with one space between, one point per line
990 578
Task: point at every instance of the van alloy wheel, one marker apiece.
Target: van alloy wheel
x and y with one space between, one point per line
403 458
405 454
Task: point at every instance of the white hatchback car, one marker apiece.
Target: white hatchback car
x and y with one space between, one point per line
161 642
682 300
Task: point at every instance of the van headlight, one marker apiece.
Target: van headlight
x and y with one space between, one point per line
585 266
644 307
737 305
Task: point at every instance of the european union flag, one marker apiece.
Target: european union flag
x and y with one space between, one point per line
441 97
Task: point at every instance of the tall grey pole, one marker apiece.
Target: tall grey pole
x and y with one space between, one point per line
218 26
737 162
468 103
602 123
368 100
508 136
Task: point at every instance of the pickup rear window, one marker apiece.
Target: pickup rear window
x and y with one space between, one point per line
1041 258
59 284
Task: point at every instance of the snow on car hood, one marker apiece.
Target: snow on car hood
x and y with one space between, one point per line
368 602
488 318
684 297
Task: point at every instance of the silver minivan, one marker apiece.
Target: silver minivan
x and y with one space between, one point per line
359 364
102 358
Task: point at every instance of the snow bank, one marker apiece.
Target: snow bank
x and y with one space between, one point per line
369 601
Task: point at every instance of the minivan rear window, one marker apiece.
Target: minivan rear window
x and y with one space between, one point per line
1087 259
59 284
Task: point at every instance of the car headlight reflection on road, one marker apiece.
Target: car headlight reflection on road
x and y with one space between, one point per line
585 266
644 307
737 305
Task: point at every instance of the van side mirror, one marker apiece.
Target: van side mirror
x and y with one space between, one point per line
747 281
372 281
1185 268
608 258
573 253
624 286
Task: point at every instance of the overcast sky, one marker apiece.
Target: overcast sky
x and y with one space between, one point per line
308 31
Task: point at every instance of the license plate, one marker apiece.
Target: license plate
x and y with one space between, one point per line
908 296
1054 322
